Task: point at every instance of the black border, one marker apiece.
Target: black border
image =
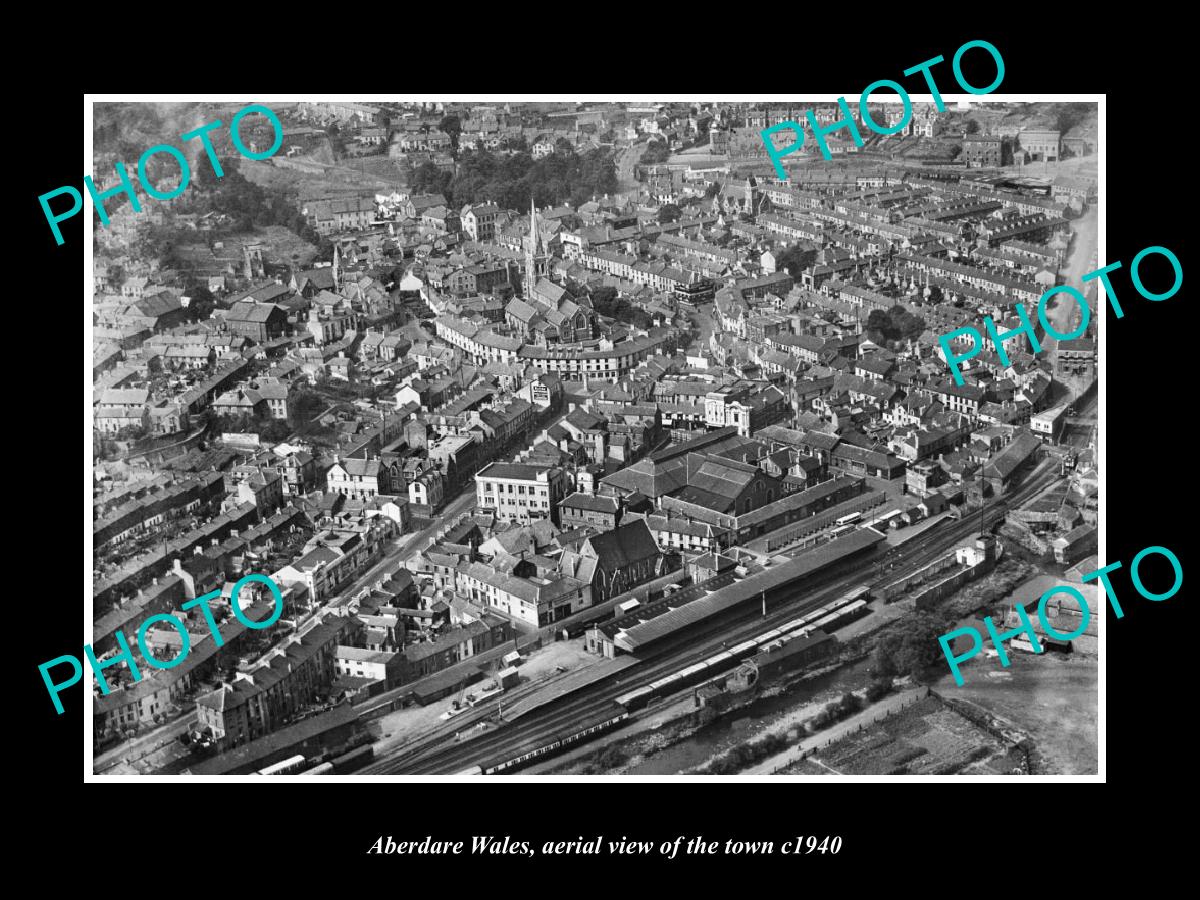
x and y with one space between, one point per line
1147 463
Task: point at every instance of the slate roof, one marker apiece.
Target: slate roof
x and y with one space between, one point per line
647 478
624 545
590 504
366 468
246 311
1023 444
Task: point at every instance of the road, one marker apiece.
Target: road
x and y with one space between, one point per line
626 160
594 703
142 745
1083 250
704 313
1065 313
423 538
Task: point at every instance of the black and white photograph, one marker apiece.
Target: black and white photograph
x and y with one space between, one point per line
611 438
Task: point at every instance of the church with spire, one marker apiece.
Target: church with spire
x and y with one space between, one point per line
535 254
546 312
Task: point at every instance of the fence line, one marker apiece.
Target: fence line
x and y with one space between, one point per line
801 752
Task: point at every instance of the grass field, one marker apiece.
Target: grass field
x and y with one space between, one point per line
1053 698
347 179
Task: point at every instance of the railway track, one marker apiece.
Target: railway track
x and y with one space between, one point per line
597 702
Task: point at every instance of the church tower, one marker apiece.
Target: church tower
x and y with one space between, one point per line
534 257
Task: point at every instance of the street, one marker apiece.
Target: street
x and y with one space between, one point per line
704 313
626 160
143 745
1064 314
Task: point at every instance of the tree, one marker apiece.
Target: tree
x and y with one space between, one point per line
792 260
451 125
274 430
204 176
1067 116
904 325
562 145
656 152
305 407
429 179
972 127
336 141
712 190
878 688
884 662
603 296
897 324
910 325
913 644
669 213
611 757
512 181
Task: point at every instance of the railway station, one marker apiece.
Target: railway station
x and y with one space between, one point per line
687 609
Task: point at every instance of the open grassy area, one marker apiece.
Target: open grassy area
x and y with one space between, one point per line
353 177
280 244
1053 698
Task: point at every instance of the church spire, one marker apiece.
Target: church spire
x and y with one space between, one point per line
531 252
